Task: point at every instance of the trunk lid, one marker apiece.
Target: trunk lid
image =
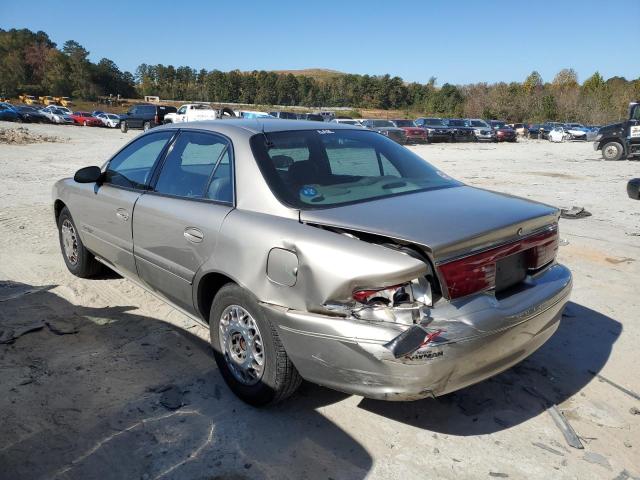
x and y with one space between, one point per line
447 222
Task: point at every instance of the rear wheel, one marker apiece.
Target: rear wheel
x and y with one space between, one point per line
612 151
123 127
248 350
78 259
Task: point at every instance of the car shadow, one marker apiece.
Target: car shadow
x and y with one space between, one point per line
109 393
558 370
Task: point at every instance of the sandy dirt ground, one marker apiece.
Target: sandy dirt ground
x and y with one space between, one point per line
114 384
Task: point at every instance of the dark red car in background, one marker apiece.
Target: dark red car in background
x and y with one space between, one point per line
504 133
414 133
86 119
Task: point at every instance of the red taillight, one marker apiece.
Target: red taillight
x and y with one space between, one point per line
156 120
477 273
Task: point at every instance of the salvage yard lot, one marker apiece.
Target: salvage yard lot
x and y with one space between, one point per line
113 383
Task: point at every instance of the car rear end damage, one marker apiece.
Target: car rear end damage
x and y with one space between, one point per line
458 342
481 304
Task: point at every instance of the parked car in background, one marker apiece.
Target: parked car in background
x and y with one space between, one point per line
191 112
57 116
327 116
436 128
58 108
481 130
386 128
576 131
503 132
460 129
86 119
31 114
8 113
520 128
414 133
347 121
95 113
145 116
558 134
277 234
533 130
110 120
253 114
284 115
314 117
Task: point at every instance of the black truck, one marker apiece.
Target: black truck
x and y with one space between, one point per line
621 140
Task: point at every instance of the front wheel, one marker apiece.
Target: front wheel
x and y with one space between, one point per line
612 151
78 259
123 127
248 350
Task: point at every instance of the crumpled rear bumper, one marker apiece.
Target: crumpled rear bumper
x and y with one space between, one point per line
482 336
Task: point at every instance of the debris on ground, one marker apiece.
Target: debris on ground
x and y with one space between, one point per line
624 390
61 327
634 411
547 448
24 136
597 459
11 333
564 426
574 212
172 398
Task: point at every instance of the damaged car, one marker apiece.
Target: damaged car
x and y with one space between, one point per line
323 252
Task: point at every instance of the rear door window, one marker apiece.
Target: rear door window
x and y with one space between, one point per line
196 161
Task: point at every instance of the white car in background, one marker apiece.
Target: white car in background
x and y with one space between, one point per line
110 120
192 112
52 108
347 121
57 115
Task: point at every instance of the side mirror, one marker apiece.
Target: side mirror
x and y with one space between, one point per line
88 175
633 188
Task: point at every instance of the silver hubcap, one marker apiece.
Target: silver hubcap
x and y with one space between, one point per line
69 241
241 343
611 151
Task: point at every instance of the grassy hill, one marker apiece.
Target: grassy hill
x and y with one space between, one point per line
315 73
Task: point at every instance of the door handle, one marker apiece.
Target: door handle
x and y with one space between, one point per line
193 235
122 214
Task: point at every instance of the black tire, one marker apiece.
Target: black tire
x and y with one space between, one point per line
146 126
123 127
280 379
612 151
85 264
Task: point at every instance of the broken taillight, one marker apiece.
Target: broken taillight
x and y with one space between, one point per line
477 273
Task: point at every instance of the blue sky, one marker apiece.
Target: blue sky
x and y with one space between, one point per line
459 41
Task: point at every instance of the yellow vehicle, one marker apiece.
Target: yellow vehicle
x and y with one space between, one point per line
28 99
48 100
64 101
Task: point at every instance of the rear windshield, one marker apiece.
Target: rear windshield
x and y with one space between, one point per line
322 168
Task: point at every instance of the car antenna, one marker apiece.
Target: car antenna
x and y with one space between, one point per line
268 143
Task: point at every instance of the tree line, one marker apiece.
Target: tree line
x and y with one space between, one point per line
31 62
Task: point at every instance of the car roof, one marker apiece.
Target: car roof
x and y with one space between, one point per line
259 125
